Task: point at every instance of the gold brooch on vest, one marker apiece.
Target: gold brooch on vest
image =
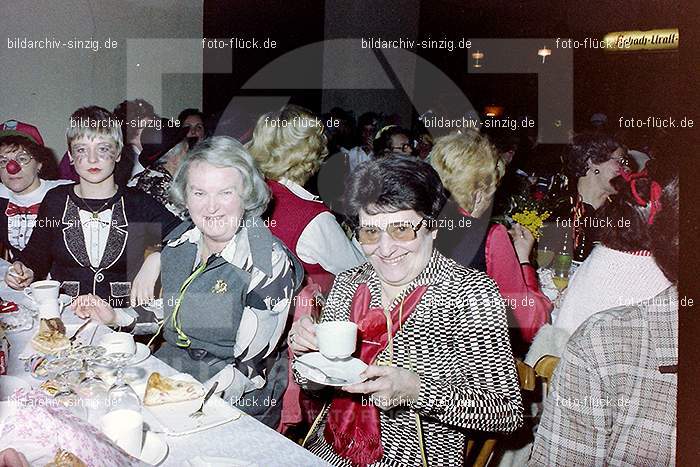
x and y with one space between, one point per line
220 287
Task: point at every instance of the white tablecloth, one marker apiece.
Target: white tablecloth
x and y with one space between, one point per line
244 439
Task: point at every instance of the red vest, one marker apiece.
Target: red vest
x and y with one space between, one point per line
289 215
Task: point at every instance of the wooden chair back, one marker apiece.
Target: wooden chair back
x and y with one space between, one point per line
544 368
527 379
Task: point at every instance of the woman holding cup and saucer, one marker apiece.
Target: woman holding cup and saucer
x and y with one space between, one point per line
433 333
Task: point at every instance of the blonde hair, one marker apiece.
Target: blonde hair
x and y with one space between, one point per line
468 164
289 143
91 122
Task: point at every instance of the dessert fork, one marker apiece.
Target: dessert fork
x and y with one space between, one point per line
199 412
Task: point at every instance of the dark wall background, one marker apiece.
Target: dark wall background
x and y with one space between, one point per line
638 83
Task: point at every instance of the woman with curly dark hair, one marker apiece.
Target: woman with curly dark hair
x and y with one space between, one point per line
593 161
620 270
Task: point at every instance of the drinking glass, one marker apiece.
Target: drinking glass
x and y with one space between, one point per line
545 256
121 396
66 395
93 392
560 279
562 262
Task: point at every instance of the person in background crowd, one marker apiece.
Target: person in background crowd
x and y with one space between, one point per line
393 139
621 269
162 153
193 119
92 236
367 126
423 142
222 273
613 398
593 161
25 163
288 146
470 168
341 133
135 116
438 365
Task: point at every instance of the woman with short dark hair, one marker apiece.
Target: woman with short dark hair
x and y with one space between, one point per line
433 333
393 139
594 159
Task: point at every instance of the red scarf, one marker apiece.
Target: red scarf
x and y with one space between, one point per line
353 428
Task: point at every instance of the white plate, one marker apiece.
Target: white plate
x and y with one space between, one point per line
18 321
142 353
174 418
9 384
154 449
63 299
348 369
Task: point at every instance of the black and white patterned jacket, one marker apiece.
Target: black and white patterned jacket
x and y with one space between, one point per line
457 341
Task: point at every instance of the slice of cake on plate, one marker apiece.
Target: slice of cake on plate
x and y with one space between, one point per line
163 390
51 338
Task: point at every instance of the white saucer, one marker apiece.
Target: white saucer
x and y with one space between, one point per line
348 369
154 449
63 299
142 353
9 384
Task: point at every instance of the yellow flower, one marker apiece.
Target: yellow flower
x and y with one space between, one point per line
531 220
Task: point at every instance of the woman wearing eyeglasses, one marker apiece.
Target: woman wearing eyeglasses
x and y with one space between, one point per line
433 333
24 165
593 161
91 236
393 139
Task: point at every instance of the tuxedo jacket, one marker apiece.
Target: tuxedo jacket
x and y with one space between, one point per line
58 245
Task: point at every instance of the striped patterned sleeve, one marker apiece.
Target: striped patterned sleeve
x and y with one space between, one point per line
488 396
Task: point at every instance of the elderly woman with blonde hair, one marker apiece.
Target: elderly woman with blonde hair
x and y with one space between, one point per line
470 169
289 146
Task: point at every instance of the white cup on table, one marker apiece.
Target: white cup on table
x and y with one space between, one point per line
125 428
118 342
43 291
336 339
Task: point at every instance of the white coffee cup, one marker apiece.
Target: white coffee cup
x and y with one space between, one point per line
118 342
49 309
43 291
125 428
336 339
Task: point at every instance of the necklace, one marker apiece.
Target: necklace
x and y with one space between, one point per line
95 214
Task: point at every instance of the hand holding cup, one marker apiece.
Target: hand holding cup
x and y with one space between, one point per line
302 336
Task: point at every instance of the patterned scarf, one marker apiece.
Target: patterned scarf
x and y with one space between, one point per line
353 428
